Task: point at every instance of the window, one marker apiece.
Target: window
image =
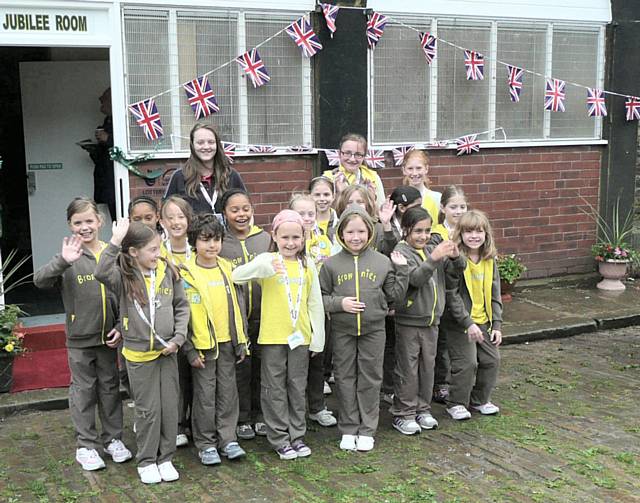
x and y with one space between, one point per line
165 48
406 106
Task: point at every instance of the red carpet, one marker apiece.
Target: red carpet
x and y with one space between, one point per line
45 363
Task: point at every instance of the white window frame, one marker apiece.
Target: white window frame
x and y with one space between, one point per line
491 65
243 118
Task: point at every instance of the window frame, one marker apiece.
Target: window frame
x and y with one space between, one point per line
492 73
173 12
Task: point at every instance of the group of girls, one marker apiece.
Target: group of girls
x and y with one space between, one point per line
231 332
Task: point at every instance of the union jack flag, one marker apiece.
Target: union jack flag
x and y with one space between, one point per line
399 153
595 103
299 149
437 144
201 98
254 67
375 158
304 37
330 13
429 45
514 79
554 95
148 118
633 108
333 156
468 144
262 149
229 150
375 28
474 63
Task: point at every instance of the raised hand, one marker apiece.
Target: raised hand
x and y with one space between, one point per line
278 266
398 258
351 305
386 211
71 249
119 231
444 249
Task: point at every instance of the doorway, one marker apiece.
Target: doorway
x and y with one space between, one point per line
51 102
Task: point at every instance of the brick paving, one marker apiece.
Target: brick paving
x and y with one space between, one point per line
569 431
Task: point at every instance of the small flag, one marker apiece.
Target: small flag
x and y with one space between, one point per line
595 103
304 37
429 45
330 13
474 64
299 149
437 144
262 149
375 158
201 98
554 95
148 118
399 153
254 67
515 76
229 150
633 108
333 156
375 28
468 144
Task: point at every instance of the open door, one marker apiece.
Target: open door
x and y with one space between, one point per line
60 107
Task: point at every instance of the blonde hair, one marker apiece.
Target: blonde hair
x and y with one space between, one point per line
424 157
300 196
354 137
475 220
343 200
182 205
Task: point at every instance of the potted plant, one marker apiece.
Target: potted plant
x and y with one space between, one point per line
510 268
11 329
612 251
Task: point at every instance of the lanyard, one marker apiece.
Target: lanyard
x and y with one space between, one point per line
397 224
187 250
152 309
211 200
294 311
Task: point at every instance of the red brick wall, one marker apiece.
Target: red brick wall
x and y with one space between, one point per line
532 195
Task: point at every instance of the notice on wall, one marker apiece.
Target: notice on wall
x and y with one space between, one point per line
19 21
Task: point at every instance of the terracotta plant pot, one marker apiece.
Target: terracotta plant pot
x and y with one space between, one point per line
506 290
612 271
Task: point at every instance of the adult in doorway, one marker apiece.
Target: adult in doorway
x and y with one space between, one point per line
352 171
206 175
104 191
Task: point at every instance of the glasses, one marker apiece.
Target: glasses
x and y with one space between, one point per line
358 155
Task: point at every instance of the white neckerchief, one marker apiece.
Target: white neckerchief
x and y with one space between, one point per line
210 199
152 309
294 311
187 250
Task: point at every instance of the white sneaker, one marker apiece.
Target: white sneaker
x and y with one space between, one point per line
324 418
89 459
167 472
406 426
486 409
426 421
149 474
327 389
182 440
364 444
459 412
118 451
348 443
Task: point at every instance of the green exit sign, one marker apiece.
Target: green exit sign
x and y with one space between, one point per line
45 165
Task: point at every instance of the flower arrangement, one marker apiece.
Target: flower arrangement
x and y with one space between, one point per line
11 330
510 268
612 242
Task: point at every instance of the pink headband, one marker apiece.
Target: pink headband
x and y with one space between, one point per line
286 216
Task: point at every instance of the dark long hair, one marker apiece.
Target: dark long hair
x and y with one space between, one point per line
193 167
